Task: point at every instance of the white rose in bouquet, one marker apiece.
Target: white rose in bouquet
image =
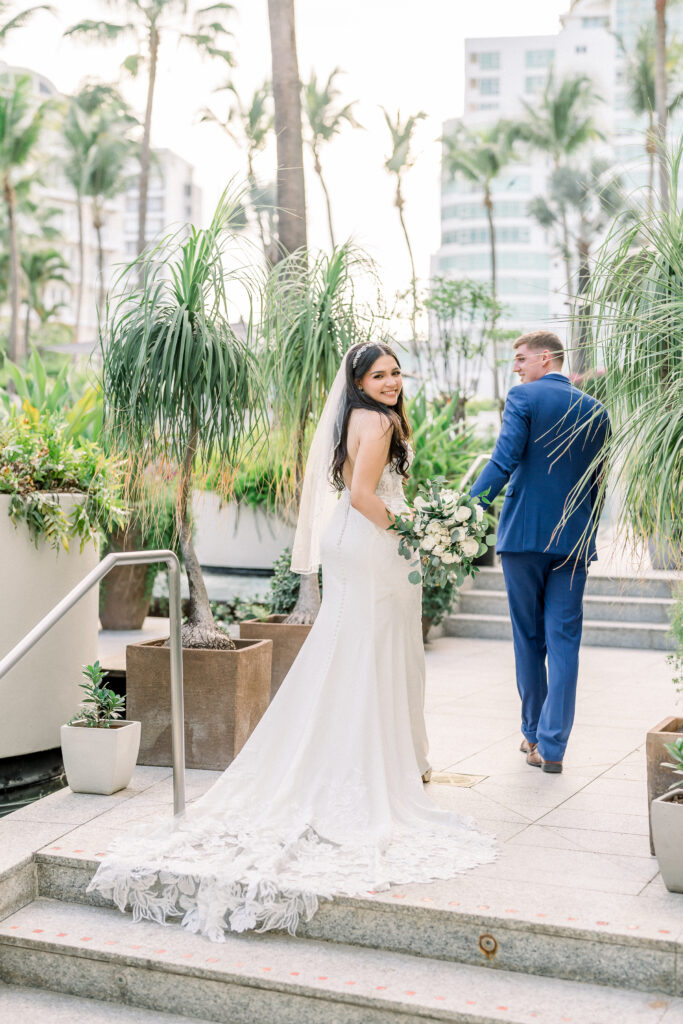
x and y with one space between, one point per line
438 550
463 514
428 543
479 513
448 557
433 527
470 546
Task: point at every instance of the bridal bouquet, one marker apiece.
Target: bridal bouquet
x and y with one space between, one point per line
446 532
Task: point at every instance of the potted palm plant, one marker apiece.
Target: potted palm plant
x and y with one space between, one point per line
182 385
311 319
667 822
99 750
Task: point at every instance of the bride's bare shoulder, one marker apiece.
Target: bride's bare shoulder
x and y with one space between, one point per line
367 424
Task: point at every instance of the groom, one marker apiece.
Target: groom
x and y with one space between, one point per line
550 435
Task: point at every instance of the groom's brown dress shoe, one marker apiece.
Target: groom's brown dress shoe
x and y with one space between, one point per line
553 767
532 755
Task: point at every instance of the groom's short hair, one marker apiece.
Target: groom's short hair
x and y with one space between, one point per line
539 340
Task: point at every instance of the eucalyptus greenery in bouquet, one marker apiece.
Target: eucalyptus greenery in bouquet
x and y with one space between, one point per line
444 534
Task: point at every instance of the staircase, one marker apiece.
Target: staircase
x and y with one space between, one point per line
398 956
618 611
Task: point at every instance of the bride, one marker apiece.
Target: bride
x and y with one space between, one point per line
326 796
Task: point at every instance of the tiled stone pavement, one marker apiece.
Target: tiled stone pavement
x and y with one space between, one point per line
573 848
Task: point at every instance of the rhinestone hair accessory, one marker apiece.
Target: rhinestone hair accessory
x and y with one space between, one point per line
359 353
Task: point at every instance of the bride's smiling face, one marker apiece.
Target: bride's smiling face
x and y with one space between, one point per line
383 381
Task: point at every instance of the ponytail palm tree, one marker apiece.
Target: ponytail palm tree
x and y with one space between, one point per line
180 383
312 318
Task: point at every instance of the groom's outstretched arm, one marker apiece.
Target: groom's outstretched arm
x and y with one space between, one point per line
512 440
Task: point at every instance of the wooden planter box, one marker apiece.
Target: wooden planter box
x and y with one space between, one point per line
226 692
659 779
287 642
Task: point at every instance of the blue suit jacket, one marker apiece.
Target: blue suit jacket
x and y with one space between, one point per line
551 433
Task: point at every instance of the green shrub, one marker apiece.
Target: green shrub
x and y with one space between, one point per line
437 602
284 585
39 461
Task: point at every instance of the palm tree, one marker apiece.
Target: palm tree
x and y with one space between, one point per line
147 26
21 122
179 384
291 189
325 120
636 308
19 20
41 267
480 156
250 127
640 74
81 128
312 318
399 163
660 98
560 125
586 200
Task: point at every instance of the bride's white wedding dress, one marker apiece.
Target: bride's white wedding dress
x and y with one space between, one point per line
326 796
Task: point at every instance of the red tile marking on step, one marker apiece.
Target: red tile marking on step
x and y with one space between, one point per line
322 977
350 983
62 935
541 915
501 1007
266 968
402 896
470 1002
427 899
187 956
136 947
381 988
212 960
440 997
86 938
100 855
38 931
453 903
294 974
110 942
602 922
483 906
55 847
664 931
511 911
79 851
14 927
409 992
159 950
572 918
633 927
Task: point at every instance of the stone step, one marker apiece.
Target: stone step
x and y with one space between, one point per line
36 1006
654 585
595 607
611 940
277 979
637 635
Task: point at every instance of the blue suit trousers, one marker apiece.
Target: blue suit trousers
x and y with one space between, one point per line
545 594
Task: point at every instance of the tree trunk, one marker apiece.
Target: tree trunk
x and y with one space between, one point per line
98 220
488 203
660 100
582 317
15 348
291 191
81 268
146 140
566 256
399 203
27 325
319 172
200 630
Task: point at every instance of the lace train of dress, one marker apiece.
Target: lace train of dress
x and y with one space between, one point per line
325 798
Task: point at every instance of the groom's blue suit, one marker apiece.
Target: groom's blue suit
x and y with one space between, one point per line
551 433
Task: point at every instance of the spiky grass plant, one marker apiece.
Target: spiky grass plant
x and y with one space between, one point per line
180 382
312 316
636 313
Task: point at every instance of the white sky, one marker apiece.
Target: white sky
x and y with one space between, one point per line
405 54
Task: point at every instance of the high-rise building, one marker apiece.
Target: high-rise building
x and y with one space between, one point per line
173 200
501 75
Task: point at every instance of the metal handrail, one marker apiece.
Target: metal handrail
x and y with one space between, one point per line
176 648
482 457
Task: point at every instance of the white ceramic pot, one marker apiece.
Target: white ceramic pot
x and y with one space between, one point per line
667 837
42 690
100 760
232 536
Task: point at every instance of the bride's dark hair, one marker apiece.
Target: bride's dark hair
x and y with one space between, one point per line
364 356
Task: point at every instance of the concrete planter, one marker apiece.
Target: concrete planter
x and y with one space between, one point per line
659 779
667 832
287 642
232 536
226 692
42 692
100 760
